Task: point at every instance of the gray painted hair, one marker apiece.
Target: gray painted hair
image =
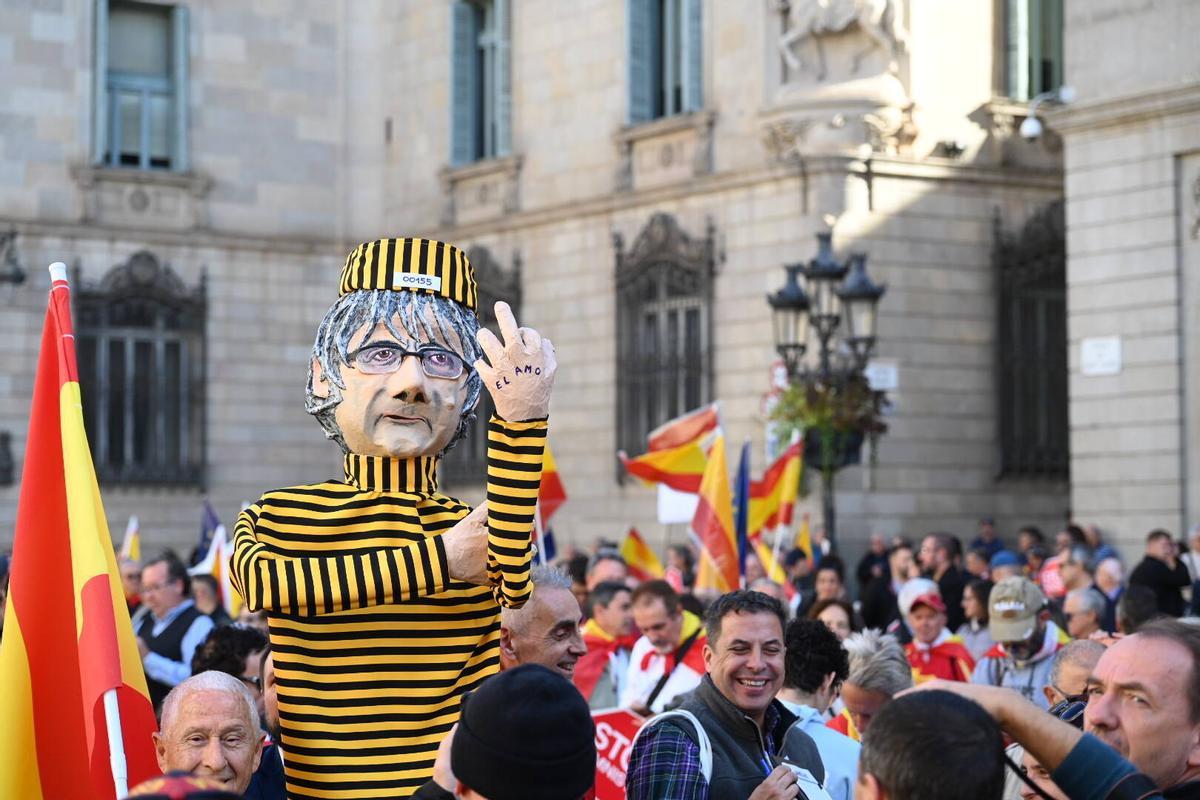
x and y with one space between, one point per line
210 681
429 317
877 662
543 577
1080 653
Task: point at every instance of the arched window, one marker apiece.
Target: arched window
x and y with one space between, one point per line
141 367
664 329
466 463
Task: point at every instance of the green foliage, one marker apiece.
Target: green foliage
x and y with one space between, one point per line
834 409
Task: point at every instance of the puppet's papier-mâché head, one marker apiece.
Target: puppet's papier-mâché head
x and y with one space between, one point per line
423 293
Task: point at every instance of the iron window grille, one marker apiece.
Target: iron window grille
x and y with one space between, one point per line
141 344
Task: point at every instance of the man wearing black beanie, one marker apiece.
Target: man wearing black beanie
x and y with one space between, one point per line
525 734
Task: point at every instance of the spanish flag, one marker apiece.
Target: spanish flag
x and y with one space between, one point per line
680 467
681 430
643 564
551 493
68 641
713 523
675 451
773 499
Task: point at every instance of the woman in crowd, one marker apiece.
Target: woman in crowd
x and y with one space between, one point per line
974 632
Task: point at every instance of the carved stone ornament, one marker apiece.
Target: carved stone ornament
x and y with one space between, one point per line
809 24
665 244
891 130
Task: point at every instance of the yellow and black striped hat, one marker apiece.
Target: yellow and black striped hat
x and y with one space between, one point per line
415 265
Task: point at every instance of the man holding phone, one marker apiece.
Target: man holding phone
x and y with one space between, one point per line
731 738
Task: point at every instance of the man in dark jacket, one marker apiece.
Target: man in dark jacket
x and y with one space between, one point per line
879 608
1163 573
755 741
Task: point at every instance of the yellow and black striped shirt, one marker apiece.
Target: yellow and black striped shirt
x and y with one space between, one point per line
373 644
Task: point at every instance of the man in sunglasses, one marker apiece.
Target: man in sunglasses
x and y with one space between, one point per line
383 594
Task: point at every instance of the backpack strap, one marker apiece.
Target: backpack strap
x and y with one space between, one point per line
701 738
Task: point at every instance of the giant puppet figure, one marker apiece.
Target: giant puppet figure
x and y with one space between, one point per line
383 594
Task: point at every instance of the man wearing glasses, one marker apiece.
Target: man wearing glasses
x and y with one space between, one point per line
383 595
171 627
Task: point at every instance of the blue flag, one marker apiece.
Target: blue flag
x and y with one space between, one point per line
547 544
741 509
208 525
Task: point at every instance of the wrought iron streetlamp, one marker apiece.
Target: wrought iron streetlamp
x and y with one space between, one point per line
860 302
790 316
836 392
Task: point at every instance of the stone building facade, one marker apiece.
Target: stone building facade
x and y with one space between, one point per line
1132 186
523 130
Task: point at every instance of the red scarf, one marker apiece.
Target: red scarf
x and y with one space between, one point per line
600 647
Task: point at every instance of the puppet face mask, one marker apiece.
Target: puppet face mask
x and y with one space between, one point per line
404 413
402 410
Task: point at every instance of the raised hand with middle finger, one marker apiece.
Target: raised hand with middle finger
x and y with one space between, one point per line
518 374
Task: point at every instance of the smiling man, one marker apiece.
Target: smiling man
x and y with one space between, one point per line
546 629
210 728
752 735
383 595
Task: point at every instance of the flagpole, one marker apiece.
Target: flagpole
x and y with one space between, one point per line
116 743
541 537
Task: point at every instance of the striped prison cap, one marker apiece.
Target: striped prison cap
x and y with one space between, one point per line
415 265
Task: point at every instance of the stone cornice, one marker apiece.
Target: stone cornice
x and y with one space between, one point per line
898 167
289 244
1124 110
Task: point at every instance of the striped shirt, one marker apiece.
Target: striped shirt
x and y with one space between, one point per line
373 643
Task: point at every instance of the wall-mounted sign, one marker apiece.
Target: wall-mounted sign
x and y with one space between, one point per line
1100 355
883 376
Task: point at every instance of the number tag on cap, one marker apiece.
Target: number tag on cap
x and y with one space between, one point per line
414 280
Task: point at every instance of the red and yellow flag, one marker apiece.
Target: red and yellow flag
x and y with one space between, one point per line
67 634
773 499
551 493
713 523
681 430
675 451
804 537
643 564
680 467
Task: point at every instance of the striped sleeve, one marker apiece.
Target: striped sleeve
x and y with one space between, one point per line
314 585
514 473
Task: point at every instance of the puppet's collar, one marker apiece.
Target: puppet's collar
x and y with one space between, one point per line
382 474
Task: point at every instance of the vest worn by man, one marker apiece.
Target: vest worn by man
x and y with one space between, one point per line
738 747
168 644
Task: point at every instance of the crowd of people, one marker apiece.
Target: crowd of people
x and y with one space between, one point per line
773 691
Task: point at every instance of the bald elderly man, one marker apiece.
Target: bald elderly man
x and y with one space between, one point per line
210 728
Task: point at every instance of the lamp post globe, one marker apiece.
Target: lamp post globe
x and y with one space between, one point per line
859 297
790 317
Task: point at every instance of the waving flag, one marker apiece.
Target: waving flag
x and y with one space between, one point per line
131 545
713 523
216 563
741 511
773 499
681 430
551 495
675 451
208 524
68 650
643 564
680 467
